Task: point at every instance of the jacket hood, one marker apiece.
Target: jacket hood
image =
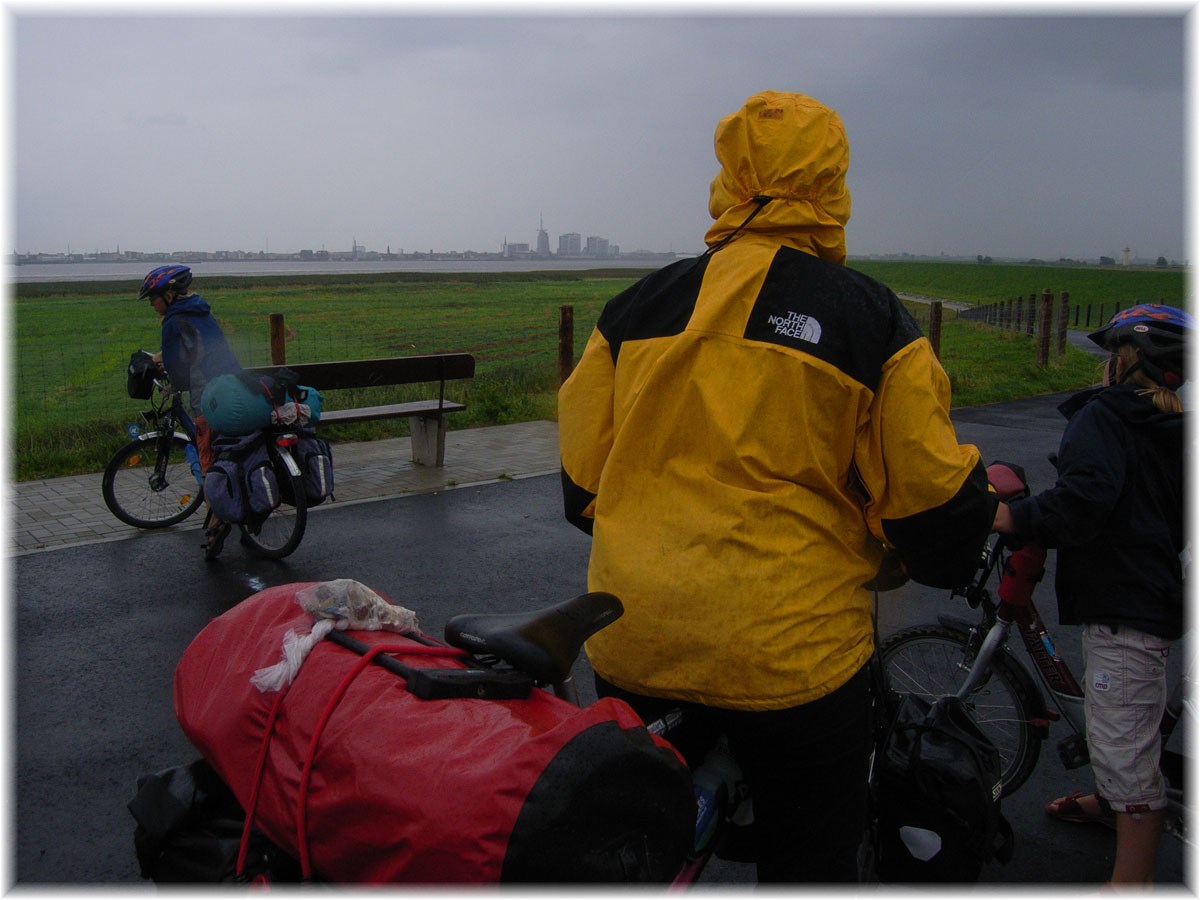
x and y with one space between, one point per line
192 304
1131 405
790 148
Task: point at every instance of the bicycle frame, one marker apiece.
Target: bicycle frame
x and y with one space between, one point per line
1022 568
1021 571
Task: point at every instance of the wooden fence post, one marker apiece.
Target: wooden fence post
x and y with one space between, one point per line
1064 311
1045 315
566 342
1020 314
1032 320
278 338
935 327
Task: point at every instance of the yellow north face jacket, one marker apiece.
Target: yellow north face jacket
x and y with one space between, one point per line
747 431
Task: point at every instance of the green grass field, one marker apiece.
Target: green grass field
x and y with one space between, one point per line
71 341
983 284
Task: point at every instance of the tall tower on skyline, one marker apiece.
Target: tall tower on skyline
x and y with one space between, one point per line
543 239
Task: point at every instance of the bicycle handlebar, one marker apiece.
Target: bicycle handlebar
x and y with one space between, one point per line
1009 480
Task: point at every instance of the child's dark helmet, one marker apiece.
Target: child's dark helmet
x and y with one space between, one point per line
164 278
1160 333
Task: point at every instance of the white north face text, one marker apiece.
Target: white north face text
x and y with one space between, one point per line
794 325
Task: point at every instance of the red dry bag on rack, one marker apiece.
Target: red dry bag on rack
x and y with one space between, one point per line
352 774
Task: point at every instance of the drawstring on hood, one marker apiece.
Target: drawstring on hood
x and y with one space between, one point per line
759 202
792 150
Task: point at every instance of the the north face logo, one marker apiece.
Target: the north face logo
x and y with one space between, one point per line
797 326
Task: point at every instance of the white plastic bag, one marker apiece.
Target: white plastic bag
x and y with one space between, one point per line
359 607
343 604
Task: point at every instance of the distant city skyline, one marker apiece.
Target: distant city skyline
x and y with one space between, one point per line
358 252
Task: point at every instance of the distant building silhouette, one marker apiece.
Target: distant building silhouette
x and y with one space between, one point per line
570 244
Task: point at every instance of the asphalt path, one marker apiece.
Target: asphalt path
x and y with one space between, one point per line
100 628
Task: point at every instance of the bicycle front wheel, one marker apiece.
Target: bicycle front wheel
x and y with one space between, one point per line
280 533
932 661
141 494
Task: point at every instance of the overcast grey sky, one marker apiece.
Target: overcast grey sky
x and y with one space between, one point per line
1011 135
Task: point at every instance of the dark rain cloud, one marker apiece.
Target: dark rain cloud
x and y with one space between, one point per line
1017 135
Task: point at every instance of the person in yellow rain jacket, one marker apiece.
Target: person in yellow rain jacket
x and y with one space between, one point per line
745 436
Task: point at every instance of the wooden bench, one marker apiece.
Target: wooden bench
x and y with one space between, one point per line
426 418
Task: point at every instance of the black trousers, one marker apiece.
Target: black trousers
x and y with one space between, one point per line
806 767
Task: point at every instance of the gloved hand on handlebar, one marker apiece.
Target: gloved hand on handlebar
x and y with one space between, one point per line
1008 480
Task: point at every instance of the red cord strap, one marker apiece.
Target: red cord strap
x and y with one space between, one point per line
269 730
334 700
259 768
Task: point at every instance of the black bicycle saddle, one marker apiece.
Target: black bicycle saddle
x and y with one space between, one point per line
544 643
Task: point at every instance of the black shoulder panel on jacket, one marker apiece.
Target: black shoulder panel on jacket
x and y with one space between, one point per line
833 313
659 305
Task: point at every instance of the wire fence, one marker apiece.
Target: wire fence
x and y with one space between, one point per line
60 380
76 385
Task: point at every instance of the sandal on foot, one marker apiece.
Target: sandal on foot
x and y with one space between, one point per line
1069 809
215 539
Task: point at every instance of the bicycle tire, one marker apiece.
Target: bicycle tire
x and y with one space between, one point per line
128 492
280 533
933 660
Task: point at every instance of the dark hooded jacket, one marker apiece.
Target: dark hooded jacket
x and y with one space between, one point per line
194 348
1115 513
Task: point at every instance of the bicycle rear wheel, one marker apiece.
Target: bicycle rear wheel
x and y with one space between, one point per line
933 660
137 495
280 533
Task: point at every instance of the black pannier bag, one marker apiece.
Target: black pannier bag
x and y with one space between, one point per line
241 484
315 458
140 375
189 831
936 790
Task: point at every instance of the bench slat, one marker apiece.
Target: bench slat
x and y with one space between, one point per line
422 408
361 373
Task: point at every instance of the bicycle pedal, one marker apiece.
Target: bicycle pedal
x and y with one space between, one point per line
1073 751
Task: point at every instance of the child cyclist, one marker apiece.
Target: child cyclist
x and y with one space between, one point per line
194 352
1115 514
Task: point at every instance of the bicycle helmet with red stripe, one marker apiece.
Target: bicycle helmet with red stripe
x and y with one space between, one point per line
176 278
1160 334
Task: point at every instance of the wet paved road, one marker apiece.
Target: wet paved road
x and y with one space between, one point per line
99 629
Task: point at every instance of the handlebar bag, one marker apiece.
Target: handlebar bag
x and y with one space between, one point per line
363 782
139 381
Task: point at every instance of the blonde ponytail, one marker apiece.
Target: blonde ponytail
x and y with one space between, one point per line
1164 399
